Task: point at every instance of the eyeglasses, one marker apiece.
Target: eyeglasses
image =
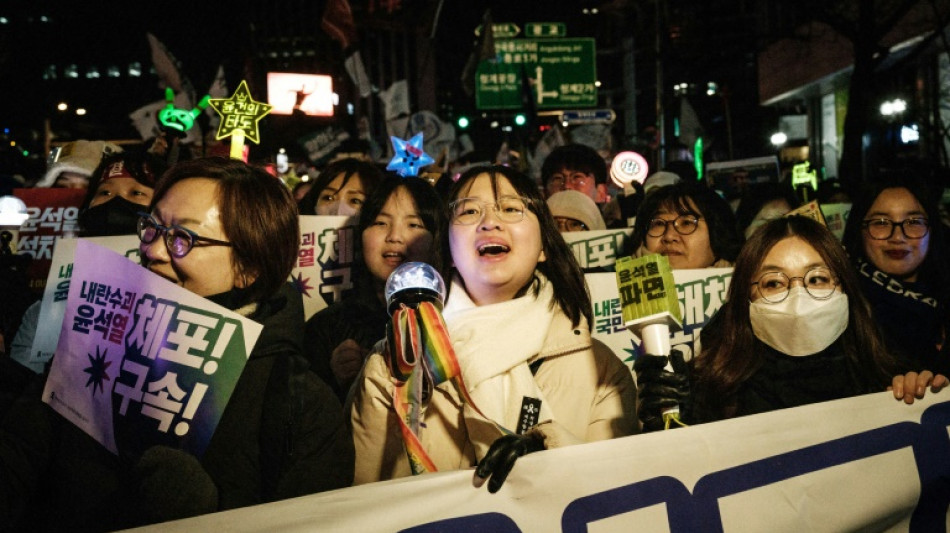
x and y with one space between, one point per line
881 228
819 283
565 224
683 224
178 240
468 211
575 180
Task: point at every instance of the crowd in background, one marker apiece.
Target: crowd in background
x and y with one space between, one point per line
809 317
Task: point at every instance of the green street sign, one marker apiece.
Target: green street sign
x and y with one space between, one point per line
545 29
562 73
501 30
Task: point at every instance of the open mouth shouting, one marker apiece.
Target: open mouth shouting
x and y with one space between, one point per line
394 259
493 249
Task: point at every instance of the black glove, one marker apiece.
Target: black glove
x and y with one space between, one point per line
171 484
501 457
659 389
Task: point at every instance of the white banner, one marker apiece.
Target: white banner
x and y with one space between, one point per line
868 463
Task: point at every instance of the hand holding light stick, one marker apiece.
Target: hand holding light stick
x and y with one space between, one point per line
650 307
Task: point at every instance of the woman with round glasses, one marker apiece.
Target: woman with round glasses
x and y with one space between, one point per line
897 243
518 315
690 224
228 232
795 330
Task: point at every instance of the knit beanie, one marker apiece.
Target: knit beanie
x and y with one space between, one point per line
659 179
81 157
576 205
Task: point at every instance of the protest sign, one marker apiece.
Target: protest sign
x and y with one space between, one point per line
868 463
700 293
324 268
598 249
836 216
53 305
52 213
142 361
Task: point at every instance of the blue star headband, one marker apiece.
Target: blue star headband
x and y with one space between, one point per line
409 156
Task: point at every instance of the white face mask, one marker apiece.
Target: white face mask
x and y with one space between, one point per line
337 208
800 325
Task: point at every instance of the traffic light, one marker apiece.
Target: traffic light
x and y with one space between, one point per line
463 122
520 119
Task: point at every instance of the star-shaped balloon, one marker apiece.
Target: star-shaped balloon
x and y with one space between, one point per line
240 112
409 156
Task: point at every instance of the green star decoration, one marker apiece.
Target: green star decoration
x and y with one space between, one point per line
240 112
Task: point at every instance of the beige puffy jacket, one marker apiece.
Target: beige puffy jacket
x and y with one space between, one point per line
589 389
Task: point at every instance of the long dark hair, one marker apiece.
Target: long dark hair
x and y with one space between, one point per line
368 172
724 237
560 266
729 357
258 215
429 207
933 269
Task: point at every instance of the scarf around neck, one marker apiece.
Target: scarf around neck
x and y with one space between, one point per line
493 344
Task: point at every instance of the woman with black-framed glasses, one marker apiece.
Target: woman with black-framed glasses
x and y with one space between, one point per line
688 223
897 243
228 232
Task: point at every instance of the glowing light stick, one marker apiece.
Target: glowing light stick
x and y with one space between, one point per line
179 121
240 115
409 156
628 167
650 308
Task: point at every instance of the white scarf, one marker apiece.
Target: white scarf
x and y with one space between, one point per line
493 344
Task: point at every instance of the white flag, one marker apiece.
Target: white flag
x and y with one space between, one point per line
357 71
218 89
395 100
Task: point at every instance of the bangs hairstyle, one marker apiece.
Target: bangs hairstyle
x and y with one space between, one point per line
579 157
560 266
933 269
728 356
428 204
369 175
724 237
258 215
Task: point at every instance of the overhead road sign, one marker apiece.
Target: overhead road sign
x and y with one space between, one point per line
501 30
545 29
554 73
588 116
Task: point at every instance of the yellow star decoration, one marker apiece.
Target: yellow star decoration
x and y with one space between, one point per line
240 112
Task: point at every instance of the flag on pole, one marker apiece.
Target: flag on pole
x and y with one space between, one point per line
357 71
338 22
484 50
218 89
690 128
169 70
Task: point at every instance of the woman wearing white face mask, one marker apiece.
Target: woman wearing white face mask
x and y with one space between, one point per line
795 330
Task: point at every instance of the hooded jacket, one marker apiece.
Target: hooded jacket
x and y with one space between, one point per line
590 390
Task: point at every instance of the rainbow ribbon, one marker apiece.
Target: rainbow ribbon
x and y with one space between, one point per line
420 358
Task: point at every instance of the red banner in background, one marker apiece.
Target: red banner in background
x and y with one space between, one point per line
53 213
